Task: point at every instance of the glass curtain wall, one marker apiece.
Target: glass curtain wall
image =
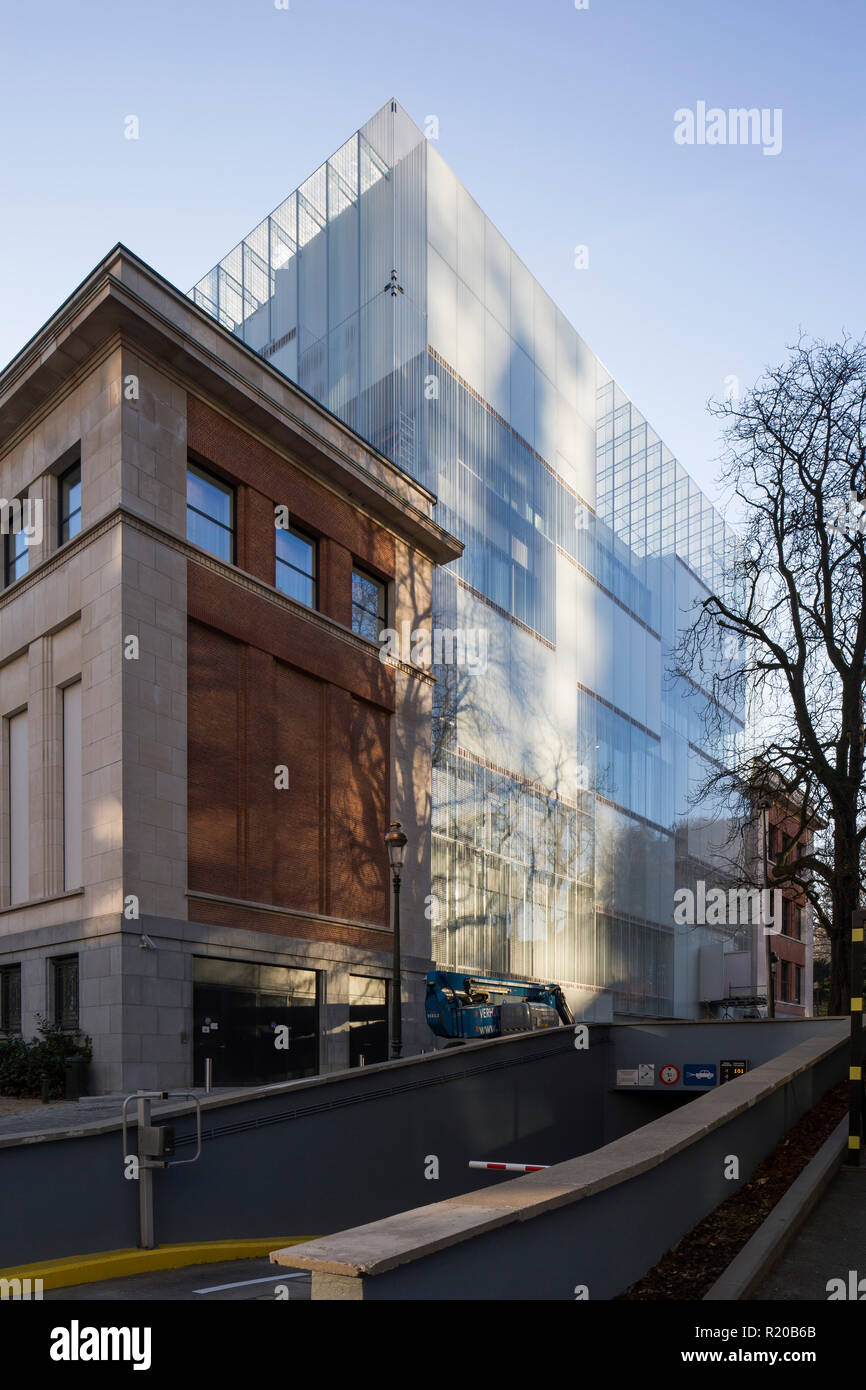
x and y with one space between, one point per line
563 761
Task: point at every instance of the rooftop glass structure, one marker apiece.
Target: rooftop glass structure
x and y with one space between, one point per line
564 760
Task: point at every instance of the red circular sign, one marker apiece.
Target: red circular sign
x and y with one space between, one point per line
669 1075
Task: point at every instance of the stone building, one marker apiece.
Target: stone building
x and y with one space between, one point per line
202 740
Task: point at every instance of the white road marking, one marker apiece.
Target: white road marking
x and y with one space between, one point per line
270 1279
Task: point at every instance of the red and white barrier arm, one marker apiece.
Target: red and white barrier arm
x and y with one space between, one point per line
510 1167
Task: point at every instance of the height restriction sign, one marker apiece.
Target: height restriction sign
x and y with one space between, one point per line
669 1074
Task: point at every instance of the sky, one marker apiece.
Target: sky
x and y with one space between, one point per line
703 261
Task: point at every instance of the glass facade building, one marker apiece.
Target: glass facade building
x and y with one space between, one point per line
565 759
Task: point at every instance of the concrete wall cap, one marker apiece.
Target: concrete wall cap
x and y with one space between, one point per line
411 1235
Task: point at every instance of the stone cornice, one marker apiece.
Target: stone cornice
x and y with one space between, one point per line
121 516
123 295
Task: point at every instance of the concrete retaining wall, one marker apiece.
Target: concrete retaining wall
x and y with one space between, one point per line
309 1157
591 1226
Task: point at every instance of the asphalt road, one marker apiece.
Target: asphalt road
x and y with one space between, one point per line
232 1282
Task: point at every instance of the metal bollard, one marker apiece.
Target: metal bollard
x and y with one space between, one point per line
208 1075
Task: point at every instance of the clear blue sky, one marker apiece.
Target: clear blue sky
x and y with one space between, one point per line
704 261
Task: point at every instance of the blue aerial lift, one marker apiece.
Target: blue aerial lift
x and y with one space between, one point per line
461 1006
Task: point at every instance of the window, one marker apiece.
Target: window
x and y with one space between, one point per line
237 1008
797 927
296 566
19 808
66 992
16 552
210 507
784 993
798 984
369 605
10 999
368 1020
70 503
72 867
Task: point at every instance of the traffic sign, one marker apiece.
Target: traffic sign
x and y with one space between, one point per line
699 1074
729 1069
669 1074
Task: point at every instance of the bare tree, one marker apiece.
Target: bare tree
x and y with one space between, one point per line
788 635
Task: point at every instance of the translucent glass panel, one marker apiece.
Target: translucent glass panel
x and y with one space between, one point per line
511 875
382 288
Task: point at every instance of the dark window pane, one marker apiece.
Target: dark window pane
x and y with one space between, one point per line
368 605
66 992
237 1008
10 999
368 1021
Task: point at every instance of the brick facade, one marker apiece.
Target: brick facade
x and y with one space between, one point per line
199 678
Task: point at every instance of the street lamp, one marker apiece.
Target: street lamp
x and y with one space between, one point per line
395 842
764 807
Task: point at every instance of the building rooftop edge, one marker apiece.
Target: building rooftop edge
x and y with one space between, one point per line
107 284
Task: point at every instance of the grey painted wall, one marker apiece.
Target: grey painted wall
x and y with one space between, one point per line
319 1156
610 1239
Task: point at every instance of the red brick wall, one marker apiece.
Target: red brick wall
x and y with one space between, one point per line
315 847
268 687
264 480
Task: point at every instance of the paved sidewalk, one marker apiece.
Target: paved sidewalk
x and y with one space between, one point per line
69 1115
831 1243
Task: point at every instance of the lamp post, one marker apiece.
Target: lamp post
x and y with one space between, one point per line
395 842
764 807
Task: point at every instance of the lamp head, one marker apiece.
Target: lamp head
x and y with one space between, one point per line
395 842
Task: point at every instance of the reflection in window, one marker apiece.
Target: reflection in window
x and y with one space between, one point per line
368 1021
16 552
209 514
296 566
70 503
369 611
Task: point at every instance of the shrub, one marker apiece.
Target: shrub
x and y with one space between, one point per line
22 1064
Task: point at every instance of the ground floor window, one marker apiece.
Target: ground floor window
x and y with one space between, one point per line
257 1023
65 970
10 999
368 1020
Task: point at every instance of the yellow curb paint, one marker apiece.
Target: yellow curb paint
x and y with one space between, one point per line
119 1264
